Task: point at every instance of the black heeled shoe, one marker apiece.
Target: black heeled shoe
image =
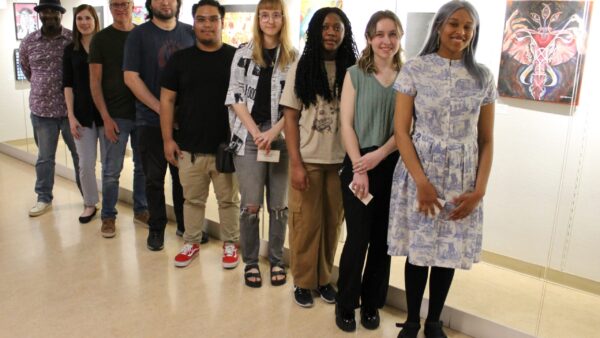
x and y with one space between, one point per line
87 219
369 318
435 330
409 330
344 319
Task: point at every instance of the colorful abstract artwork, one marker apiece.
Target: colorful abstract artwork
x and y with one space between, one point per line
308 9
543 50
139 15
237 27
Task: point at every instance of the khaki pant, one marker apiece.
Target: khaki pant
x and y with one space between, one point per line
195 179
315 222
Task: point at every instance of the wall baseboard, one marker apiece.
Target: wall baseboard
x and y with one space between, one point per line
538 271
455 319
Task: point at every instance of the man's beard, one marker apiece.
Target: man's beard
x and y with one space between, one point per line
161 16
208 42
51 25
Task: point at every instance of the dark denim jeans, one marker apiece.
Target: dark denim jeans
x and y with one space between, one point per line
155 167
45 133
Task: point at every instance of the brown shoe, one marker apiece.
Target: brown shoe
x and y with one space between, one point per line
142 218
108 229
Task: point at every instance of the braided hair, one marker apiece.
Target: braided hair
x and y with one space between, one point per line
311 75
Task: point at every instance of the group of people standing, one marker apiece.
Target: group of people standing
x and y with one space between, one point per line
404 150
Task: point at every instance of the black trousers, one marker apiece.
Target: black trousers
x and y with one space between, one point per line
155 168
367 228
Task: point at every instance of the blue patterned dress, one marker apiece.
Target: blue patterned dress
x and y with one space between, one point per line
447 103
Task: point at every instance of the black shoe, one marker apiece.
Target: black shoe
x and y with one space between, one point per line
87 219
409 330
344 319
303 297
204 238
179 233
369 318
156 240
434 330
327 293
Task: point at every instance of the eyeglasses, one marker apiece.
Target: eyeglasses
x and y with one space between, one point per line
276 16
212 19
120 5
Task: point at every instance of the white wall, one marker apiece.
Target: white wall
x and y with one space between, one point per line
542 204
13 99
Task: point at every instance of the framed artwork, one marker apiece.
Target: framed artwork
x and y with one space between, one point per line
543 50
140 13
19 76
237 26
308 9
99 12
26 19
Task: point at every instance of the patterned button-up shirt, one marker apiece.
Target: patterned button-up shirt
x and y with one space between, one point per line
41 61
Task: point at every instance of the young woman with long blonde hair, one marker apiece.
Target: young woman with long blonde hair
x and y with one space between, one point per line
258 72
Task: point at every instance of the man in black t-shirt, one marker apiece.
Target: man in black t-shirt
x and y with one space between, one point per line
197 79
116 105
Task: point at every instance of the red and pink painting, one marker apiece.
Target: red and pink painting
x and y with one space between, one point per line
543 50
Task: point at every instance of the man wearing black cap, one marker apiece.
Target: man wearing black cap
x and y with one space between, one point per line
41 54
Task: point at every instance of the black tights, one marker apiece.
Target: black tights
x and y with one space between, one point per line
439 284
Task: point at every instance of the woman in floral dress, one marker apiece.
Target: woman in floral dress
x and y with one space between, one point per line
443 126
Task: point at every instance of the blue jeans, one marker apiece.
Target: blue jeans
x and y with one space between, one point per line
112 157
45 133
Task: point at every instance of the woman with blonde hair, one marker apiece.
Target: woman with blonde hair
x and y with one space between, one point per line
258 71
367 111
84 118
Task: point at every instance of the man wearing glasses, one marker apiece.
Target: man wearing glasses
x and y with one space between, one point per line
196 79
147 50
116 105
41 55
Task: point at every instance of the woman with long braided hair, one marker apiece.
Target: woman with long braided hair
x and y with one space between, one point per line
312 128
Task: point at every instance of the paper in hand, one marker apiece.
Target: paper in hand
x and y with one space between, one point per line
365 200
272 156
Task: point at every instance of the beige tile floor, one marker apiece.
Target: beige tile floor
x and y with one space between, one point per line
504 296
62 279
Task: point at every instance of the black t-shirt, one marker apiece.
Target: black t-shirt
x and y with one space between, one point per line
107 48
76 75
201 80
261 110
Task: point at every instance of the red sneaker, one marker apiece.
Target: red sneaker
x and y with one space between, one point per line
186 255
230 255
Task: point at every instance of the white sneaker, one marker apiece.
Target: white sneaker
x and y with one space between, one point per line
39 208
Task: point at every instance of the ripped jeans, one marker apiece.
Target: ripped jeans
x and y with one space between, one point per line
253 177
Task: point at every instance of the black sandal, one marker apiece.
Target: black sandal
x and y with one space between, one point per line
277 273
257 282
